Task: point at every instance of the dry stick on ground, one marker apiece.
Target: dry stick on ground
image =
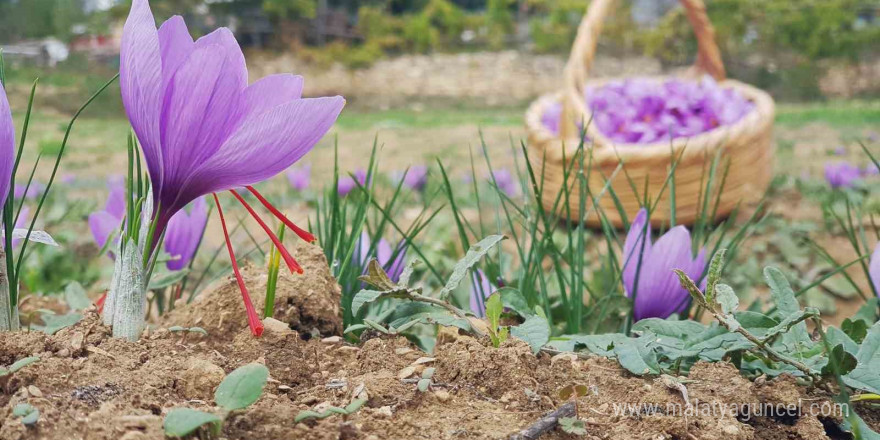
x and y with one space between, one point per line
546 423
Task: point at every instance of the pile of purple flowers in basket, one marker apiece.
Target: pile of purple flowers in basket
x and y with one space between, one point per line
644 110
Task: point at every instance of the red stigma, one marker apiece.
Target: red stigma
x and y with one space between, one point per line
302 233
291 263
253 321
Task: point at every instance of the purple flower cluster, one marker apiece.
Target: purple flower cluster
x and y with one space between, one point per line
182 236
844 174
644 110
346 183
647 271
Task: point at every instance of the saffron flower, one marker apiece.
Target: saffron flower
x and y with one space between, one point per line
105 222
642 110
346 183
647 271
391 263
481 288
841 174
506 181
416 178
7 146
300 177
874 269
184 234
203 129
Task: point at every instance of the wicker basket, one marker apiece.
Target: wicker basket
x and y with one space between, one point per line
745 146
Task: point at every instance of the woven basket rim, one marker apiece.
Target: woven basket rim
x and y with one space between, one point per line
756 120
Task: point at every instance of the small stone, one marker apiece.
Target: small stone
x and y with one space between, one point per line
442 395
349 348
403 350
200 378
424 360
570 357
63 353
34 391
730 429
406 372
384 411
332 340
76 341
274 326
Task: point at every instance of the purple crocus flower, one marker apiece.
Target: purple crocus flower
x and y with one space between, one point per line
481 288
384 253
648 266
874 269
184 234
841 174
300 177
346 183
505 181
871 170
7 146
104 222
203 129
416 178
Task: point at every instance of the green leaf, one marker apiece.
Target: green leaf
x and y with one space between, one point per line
407 273
473 256
835 336
714 274
369 296
514 300
856 330
166 279
634 354
572 425
21 363
864 431
868 312
76 297
180 422
494 307
535 331
726 298
29 415
424 384
52 323
839 357
864 376
377 277
241 388
786 305
355 405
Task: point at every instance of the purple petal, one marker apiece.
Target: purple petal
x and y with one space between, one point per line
481 289
7 146
265 145
115 205
270 92
184 233
175 45
140 80
660 293
637 243
874 268
103 224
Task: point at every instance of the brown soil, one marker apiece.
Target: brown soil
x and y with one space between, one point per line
88 385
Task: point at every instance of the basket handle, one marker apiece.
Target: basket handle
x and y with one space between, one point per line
583 51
